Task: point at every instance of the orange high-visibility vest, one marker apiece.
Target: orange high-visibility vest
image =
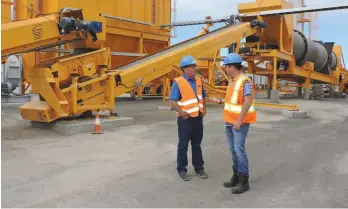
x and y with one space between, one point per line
190 102
234 101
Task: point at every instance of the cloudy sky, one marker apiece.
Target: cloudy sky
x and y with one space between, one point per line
330 26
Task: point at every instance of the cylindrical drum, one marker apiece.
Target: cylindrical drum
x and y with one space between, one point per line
309 51
317 54
300 46
333 61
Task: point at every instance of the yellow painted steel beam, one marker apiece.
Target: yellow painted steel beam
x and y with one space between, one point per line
322 77
43 29
297 71
267 55
344 80
111 23
156 65
275 71
275 105
38 32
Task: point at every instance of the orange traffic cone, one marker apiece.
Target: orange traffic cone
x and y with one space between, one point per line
97 127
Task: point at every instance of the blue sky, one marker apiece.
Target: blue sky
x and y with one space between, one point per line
330 26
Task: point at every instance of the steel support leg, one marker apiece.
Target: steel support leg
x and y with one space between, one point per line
275 91
298 91
307 89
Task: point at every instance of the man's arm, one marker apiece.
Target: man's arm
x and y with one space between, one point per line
174 105
248 101
245 107
204 95
218 101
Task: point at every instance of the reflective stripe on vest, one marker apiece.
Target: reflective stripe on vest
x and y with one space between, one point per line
237 85
189 102
234 102
237 108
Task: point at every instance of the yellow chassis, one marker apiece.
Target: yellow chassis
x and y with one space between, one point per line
79 84
73 85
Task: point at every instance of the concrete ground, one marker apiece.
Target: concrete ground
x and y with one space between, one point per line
293 162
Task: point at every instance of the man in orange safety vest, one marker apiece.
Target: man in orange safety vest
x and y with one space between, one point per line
188 99
239 113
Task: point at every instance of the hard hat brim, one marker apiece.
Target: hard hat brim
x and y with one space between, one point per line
189 65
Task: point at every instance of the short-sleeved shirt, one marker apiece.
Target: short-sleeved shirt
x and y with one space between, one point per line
248 89
175 92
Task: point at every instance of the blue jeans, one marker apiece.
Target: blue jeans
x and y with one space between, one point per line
190 129
236 141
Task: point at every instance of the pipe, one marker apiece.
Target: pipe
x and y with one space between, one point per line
6 11
48 7
25 9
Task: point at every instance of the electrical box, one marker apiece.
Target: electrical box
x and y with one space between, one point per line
12 68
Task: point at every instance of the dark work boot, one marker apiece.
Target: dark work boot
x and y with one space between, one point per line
183 175
243 184
234 180
202 174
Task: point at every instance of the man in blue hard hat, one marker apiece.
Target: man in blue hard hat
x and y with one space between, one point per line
239 113
187 97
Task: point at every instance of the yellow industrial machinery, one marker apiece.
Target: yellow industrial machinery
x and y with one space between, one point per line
131 25
286 54
85 80
92 74
5 11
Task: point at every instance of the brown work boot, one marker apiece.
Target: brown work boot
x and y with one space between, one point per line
234 180
242 186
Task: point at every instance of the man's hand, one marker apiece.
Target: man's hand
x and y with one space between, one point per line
183 114
245 109
176 107
236 126
203 114
218 101
204 108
